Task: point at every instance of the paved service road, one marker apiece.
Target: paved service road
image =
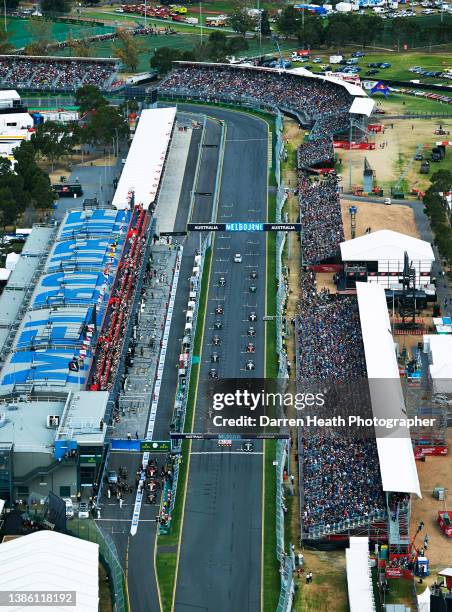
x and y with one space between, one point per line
220 556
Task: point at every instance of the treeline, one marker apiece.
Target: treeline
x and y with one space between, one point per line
215 49
365 30
436 211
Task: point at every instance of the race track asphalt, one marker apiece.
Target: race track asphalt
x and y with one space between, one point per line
220 556
137 552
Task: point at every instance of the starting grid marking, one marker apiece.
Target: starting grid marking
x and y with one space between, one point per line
158 383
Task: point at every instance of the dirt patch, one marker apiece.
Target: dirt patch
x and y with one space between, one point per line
293 131
435 472
378 216
391 160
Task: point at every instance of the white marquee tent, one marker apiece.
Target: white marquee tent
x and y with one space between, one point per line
51 561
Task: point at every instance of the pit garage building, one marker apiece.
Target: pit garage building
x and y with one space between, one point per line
52 308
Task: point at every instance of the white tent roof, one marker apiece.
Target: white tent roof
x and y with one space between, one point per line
9 94
362 106
11 260
359 580
145 161
439 348
51 561
423 601
395 451
384 245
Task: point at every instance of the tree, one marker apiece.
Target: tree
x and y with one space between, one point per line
163 58
103 124
41 192
79 48
89 97
265 24
288 22
53 140
240 21
5 46
50 7
338 32
40 32
128 49
8 207
311 33
442 180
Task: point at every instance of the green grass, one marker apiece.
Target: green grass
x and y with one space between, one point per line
166 570
271 577
404 104
272 583
21 33
400 592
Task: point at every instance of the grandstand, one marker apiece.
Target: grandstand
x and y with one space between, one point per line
58 74
325 103
60 302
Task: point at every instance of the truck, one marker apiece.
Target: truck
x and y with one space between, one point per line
299 55
216 22
336 59
66 190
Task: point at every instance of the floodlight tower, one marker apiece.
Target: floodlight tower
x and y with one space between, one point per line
352 212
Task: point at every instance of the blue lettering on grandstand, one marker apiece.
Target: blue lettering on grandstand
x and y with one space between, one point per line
244 227
43 366
70 299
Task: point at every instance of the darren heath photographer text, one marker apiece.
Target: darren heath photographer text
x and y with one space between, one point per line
314 421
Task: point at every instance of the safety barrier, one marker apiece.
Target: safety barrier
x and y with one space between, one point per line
287 562
281 295
88 530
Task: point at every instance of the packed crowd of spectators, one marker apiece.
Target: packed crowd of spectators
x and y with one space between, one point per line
341 481
320 218
315 152
341 474
55 73
307 95
329 335
110 343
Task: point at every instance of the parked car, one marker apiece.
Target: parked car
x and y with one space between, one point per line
69 507
112 477
83 510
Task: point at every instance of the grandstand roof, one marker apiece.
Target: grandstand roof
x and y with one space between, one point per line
68 299
60 58
353 90
146 159
52 561
384 245
395 451
439 348
362 106
359 579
